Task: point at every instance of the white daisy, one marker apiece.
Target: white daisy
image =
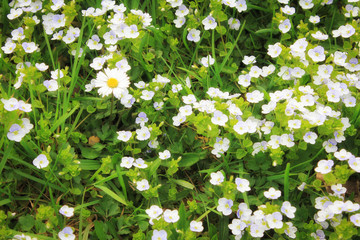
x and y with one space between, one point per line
112 81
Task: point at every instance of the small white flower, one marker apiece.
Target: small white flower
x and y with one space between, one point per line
343 155
41 161
219 118
142 185
237 226
324 166
288 10
196 226
209 23
274 50
338 189
66 234
26 125
310 137
193 35
274 220
154 211
159 235
354 164
41 66
140 163
124 135
164 155
285 26
147 95
10 104
288 210
179 22
249 60
317 54
127 162
29 47
142 134
216 178
225 206
67 211
301 187
16 133
314 19
234 23
51 85
272 193
207 61
171 216
242 185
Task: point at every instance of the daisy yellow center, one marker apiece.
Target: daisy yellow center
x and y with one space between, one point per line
112 82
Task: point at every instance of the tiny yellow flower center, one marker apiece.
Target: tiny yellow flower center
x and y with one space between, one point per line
112 82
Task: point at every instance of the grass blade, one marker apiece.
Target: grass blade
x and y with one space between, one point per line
112 194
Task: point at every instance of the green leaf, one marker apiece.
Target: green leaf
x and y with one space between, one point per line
118 198
221 30
189 159
89 153
247 143
37 104
27 222
240 153
90 109
99 230
154 166
184 183
89 164
182 221
303 146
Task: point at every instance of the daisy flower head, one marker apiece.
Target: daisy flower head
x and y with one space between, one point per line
112 81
